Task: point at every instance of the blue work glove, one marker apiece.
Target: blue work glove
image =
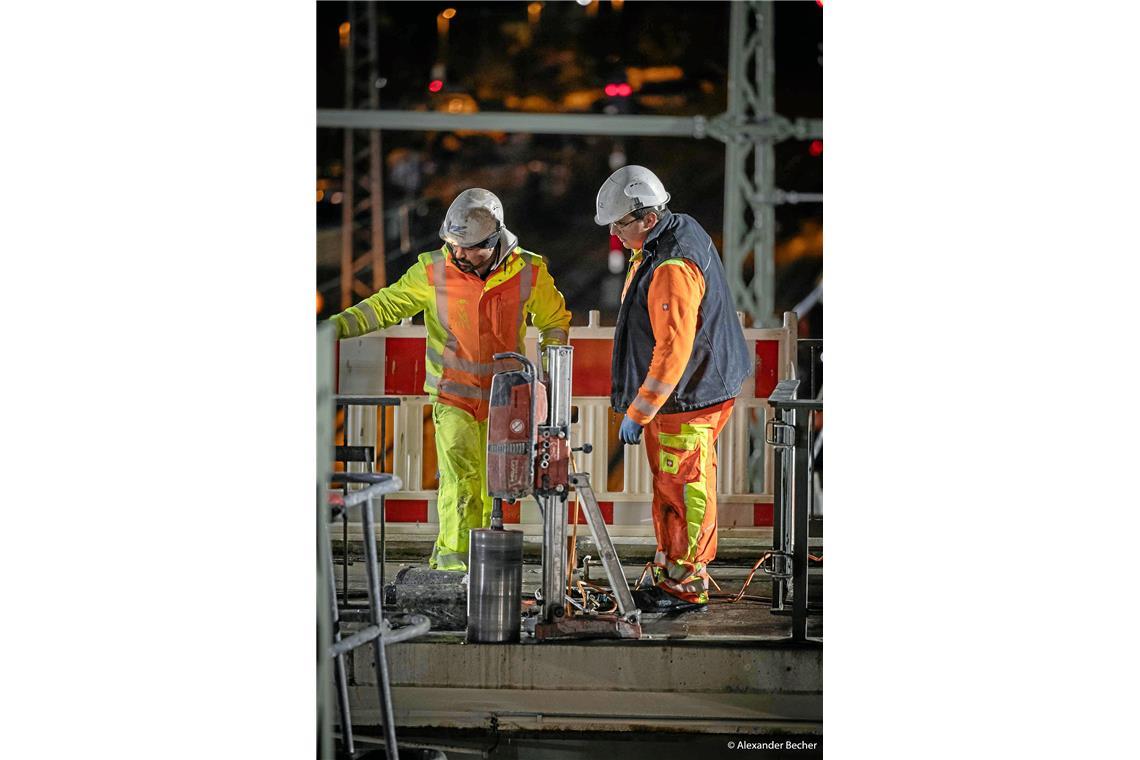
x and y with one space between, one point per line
630 432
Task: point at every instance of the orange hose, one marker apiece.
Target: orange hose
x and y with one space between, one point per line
748 580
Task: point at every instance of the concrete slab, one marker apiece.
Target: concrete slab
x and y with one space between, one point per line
598 686
730 669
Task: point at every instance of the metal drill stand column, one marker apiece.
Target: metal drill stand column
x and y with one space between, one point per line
552 498
551 491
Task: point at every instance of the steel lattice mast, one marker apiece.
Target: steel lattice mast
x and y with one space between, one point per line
362 210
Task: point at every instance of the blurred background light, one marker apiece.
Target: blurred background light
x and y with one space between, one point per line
542 58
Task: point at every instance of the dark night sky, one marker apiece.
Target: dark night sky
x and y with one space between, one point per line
695 33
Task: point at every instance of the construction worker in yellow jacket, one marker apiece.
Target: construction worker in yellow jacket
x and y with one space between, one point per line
476 292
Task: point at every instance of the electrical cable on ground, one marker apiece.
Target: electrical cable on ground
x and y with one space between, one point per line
573 559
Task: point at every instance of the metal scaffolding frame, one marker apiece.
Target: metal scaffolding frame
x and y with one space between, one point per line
749 128
751 99
362 209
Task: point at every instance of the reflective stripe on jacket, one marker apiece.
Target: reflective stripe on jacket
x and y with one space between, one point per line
719 361
468 319
675 295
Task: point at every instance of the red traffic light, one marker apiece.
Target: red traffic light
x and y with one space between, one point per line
436 85
816 148
618 90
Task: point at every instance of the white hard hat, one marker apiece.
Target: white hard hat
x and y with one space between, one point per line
474 216
628 189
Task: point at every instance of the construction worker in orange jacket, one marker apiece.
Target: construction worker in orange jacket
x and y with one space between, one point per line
678 363
476 292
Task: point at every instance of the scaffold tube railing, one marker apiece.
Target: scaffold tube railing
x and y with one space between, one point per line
790 435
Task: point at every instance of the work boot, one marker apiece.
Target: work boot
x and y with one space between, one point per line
657 599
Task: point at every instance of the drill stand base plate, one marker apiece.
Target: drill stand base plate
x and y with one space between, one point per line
588 627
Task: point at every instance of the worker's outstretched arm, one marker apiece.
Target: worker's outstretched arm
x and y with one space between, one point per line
548 310
675 295
406 297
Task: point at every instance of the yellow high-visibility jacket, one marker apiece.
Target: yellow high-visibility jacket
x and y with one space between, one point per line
468 319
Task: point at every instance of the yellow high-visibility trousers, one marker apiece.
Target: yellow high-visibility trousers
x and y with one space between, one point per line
462 503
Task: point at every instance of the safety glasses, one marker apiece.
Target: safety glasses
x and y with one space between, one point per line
619 225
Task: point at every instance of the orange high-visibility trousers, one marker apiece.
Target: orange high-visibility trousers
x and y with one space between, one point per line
682 456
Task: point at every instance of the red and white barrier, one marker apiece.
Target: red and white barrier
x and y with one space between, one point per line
391 363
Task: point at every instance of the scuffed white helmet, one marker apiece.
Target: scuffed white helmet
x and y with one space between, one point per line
474 216
628 189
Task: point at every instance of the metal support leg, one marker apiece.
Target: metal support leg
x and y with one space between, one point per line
382 448
610 562
794 415
781 513
780 435
802 488
339 674
344 558
344 526
377 616
326 414
383 547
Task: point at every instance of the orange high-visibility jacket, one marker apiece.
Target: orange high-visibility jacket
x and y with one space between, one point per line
468 319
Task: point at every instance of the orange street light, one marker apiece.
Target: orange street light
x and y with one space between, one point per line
442 24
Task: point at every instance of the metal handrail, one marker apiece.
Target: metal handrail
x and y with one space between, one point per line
350 400
342 400
379 632
380 483
418 626
784 397
793 468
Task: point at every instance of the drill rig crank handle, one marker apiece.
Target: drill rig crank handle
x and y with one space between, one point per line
517 357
